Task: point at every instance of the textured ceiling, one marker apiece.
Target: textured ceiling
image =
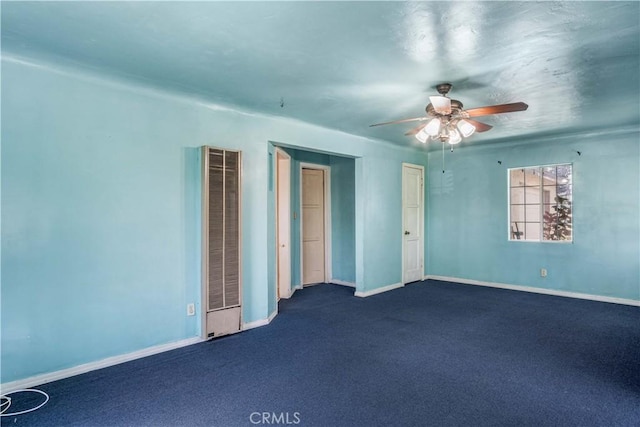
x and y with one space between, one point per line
346 65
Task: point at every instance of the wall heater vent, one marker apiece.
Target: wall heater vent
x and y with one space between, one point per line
221 241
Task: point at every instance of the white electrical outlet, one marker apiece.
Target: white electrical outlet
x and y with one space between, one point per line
191 309
543 272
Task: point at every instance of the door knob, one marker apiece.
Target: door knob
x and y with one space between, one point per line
406 233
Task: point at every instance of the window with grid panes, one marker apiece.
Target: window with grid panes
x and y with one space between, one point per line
541 203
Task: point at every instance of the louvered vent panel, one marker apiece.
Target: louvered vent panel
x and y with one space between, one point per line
216 229
221 260
231 230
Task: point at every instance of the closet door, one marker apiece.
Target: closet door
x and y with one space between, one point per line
221 241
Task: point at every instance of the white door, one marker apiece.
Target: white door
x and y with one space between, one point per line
412 223
283 209
313 232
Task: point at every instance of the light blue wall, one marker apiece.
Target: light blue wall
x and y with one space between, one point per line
467 216
382 208
100 248
271 231
304 156
343 219
100 200
101 212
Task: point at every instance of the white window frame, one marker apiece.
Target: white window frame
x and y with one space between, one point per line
540 203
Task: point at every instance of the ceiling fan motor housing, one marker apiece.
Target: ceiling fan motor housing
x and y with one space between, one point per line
443 88
456 108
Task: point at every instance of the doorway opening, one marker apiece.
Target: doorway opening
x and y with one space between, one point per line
316 223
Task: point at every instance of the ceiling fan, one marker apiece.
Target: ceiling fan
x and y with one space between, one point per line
446 121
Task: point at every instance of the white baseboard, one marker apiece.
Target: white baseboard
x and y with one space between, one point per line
92 366
378 290
342 283
261 322
545 291
255 324
293 291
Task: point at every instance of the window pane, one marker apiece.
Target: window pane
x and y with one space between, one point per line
564 174
532 231
532 177
564 191
557 224
549 194
532 195
549 219
565 227
558 217
532 213
549 208
549 174
516 177
517 196
517 231
517 213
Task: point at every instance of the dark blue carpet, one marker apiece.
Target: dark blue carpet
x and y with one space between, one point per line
429 354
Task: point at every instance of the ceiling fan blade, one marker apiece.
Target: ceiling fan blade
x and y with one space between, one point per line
415 119
441 104
415 130
497 109
480 127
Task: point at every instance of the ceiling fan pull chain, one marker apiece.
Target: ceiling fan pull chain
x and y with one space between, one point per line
443 157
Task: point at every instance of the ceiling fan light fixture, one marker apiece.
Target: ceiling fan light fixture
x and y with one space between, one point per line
454 136
447 121
443 136
422 136
433 127
441 104
466 129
